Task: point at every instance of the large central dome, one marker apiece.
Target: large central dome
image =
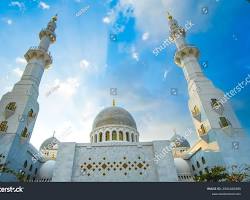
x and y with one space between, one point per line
114 116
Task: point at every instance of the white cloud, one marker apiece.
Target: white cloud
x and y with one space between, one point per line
135 54
106 20
18 4
21 61
84 64
145 36
7 21
166 72
110 17
151 14
43 5
18 71
90 67
68 87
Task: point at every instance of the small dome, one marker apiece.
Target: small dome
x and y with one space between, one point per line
46 170
180 141
50 144
114 116
182 166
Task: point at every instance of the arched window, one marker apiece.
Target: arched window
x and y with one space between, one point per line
132 137
224 122
198 164
95 138
25 164
35 171
24 133
193 167
120 135
107 137
100 137
114 135
30 114
31 166
203 160
127 136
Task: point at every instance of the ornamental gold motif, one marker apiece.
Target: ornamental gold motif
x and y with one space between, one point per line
3 126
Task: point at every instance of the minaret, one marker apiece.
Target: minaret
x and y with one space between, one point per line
19 108
208 113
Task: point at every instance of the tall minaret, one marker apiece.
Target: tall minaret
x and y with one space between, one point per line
207 110
19 108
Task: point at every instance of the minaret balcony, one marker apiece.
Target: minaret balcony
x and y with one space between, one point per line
48 33
185 51
39 53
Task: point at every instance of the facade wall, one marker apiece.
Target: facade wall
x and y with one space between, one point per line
113 162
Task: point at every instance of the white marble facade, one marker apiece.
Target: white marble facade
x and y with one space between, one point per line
123 162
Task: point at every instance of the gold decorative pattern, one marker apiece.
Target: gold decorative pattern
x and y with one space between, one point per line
10 109
105 167
3 126
11 106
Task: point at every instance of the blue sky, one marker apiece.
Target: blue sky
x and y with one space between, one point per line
108 44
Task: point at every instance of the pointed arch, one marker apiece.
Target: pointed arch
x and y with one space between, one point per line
114 135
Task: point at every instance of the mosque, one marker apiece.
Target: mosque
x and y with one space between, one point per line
115 153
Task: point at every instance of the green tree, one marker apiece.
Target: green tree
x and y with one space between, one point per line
215 174
19 175
221 174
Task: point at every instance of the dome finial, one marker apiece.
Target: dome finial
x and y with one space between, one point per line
54 18
170 17
113 103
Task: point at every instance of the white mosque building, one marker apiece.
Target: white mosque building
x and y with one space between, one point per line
115 153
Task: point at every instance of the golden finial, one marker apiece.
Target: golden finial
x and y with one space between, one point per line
169 16
113 102
54 18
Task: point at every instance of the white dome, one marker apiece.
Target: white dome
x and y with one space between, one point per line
114 116
180 141
50 144
182 166
46 170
